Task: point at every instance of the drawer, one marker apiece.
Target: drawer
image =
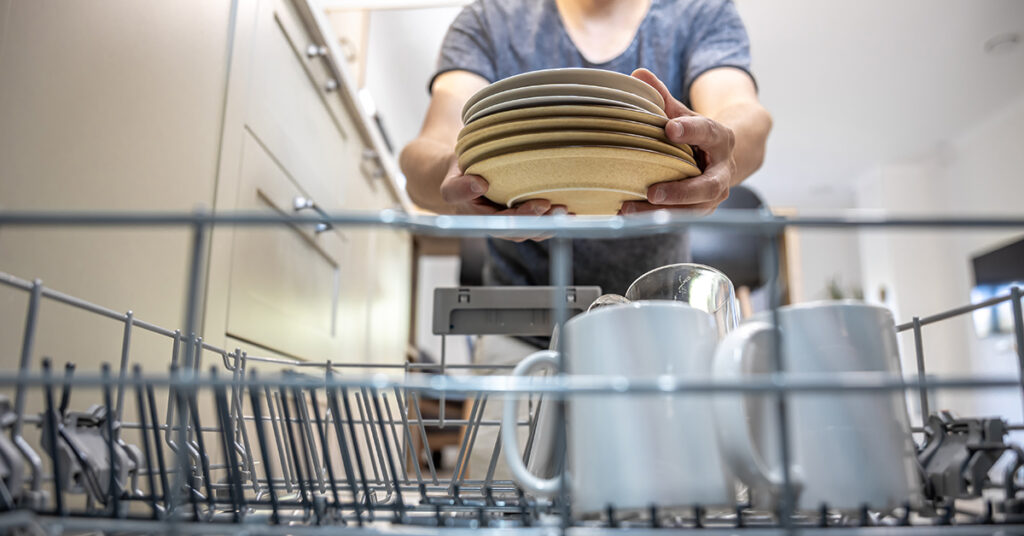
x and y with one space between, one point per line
291 290
293 112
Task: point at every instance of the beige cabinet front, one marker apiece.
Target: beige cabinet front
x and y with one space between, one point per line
290 287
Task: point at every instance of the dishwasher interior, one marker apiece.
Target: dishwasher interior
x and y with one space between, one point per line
224 441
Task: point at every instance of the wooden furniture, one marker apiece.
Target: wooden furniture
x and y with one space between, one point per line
228 106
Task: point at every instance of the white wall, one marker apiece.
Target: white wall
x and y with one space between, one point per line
924 272
432 272
402 56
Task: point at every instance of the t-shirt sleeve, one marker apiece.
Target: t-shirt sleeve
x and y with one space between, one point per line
467 46
720 40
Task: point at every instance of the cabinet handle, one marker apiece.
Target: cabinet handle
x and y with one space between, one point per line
300 203
371 164
331 85
315 50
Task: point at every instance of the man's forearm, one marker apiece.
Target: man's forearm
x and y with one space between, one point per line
750 123
425 163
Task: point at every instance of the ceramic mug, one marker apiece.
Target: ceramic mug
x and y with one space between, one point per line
847 449
632 450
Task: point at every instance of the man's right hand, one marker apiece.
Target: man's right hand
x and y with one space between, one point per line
466 194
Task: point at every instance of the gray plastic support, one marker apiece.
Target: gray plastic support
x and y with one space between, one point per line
523 311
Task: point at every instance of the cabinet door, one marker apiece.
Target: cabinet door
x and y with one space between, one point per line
113 105
290 286
295 111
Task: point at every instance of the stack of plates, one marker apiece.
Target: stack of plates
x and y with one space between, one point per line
584 138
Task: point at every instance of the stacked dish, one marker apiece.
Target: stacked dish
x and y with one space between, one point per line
584 138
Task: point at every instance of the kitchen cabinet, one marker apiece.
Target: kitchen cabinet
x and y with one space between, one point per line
352 26
227 106
112 105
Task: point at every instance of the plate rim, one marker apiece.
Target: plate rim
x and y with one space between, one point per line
461 147
523 79
578 143
539 102
563 90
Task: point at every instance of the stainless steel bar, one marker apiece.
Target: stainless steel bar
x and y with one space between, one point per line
144 434
471 432
284 446
919 352
113 498
390 422
239 416
954 312
175 347
27 346
771 270
308 441
399 505
51 431
493 464
13 281
563 226
460 460
373 444
561 278
1018 330
164 486
300 474
403 411
578 384
423 437
261 439
234 487
328 465
354 441
126 343
441 400
350 475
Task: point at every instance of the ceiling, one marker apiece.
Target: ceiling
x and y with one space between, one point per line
851 84
855 84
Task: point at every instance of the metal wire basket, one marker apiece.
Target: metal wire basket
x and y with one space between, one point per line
226 441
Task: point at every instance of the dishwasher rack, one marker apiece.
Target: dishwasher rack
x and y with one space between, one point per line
227 442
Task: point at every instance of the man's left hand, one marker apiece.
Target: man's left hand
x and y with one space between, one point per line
715 143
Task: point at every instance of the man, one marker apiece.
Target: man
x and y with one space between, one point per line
699 50
694 52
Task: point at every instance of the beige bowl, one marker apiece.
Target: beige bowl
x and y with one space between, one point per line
562 138
549 100
561 92
571 75
573 110
541 124
587 180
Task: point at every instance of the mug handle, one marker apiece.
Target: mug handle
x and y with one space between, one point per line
750 342
545 487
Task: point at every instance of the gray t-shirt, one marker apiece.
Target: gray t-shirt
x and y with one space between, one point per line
678 40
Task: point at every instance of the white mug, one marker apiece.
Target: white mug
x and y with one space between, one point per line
848 449
631 450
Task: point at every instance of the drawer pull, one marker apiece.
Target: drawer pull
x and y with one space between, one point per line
301 203
331 85
315 50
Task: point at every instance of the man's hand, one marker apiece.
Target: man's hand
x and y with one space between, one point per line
712 142
465 194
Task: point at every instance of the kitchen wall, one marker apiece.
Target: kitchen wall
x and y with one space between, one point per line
976 173
402 56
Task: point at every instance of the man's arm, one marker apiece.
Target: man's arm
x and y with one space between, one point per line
727 124
433 178
427 159
729 97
